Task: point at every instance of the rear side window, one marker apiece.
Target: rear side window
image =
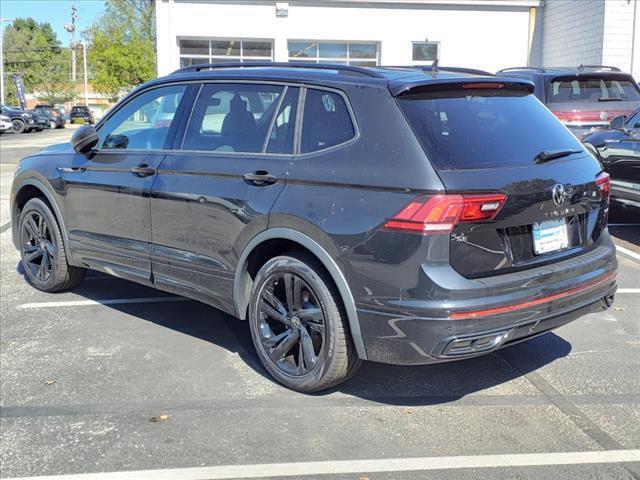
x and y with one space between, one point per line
591 89
326 121
467 129
232 117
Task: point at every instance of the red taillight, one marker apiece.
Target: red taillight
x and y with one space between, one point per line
428 214
485 86
603 183
579 116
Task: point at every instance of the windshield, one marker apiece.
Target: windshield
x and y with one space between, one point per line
488 128
581 89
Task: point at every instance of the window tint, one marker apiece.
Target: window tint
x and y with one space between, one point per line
326 121
484 129
284 126
144 122
573 89
232 117
633 121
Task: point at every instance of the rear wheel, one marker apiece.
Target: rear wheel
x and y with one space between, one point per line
18 126
43 256
298 325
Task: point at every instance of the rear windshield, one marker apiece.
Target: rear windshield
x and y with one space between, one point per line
464 129
581 89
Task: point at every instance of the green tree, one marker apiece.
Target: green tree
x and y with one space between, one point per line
33 51
122 46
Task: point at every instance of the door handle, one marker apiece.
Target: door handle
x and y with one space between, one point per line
143 170
260 178
72 169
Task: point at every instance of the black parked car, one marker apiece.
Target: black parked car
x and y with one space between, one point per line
347 213
618 149
81 112
55 118
583 98
23 121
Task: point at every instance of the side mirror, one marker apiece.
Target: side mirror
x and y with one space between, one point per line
84 139
617 123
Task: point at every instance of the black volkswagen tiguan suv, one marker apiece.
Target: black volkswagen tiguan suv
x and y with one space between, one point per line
347 213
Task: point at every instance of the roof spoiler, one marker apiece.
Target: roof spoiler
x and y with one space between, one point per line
398 87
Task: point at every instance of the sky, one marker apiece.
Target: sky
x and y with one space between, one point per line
56 12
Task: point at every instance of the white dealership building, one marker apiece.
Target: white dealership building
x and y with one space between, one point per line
485 34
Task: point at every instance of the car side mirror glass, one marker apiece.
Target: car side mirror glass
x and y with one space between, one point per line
617 123
84 139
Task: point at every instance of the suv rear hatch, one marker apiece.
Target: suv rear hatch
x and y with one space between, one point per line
545 198
583 102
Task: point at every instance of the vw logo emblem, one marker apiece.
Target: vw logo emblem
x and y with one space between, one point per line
559 194
604 116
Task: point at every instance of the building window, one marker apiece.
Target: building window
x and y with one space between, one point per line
194 51
424 52
362 54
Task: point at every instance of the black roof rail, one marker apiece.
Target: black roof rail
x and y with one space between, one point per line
599 67
534 69
349 69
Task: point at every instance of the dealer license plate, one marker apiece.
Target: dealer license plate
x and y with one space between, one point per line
550 236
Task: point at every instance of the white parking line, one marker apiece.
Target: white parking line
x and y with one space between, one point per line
626 251
108 301
362 466
628 290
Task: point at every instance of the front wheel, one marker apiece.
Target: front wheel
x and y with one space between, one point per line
43 255
299 326
18 126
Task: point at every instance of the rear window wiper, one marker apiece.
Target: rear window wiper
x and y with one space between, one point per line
545 156
612 99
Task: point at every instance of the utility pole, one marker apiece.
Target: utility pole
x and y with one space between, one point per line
71 28
86 88
2 20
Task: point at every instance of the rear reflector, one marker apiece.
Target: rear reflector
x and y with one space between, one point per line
532 303
603 183
440 214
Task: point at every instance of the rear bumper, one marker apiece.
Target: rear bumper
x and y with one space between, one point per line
508 309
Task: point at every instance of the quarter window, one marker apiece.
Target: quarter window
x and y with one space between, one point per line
326 121
347 53
232 117
144 122
284 125
195 51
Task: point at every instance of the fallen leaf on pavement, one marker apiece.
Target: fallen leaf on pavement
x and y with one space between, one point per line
618 309
49 382
159 418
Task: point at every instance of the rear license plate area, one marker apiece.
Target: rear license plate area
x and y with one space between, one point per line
550 236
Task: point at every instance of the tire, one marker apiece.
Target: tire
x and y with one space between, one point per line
280 337
42 251
18 126
39 129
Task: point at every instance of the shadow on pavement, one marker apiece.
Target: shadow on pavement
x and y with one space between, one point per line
386 384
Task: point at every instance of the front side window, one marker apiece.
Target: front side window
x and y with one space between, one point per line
425 51
347 53
144 122
232 117
326 121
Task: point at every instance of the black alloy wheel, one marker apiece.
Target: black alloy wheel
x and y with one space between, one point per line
42 250
38 251
298 324
291 323
18 126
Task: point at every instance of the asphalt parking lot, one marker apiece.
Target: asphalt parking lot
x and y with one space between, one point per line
116 377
